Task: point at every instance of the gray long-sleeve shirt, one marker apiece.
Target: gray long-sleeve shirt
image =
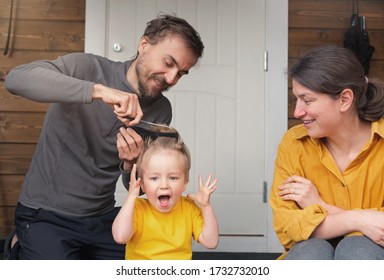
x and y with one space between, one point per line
76 165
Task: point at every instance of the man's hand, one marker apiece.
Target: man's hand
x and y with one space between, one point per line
126 105
129 145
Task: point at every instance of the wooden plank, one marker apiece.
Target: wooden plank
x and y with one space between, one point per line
20 127
10 186
293 122
6 217
291 104
296 51
18 57
333 14
14 103
15 158
315 37
376 68
310 38
44 9
47 36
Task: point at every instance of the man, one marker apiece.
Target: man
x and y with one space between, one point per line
66 206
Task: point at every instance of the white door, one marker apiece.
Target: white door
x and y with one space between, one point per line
219 108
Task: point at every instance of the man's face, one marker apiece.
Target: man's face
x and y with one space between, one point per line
160 66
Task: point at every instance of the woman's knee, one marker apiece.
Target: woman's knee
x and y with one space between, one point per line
358 248
311 249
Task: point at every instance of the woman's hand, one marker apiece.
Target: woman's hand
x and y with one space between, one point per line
301 190
371 224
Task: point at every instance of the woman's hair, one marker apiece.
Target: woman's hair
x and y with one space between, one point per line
166 25
164 143
331 69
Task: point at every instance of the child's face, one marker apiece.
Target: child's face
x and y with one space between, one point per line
164 179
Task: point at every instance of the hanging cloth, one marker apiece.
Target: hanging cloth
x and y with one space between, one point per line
356 38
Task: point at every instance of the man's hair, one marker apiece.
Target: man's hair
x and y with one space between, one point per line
165 25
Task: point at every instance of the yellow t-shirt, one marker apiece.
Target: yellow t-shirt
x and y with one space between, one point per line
360 186
164 236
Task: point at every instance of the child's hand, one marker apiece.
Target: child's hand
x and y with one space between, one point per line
205 191
134 185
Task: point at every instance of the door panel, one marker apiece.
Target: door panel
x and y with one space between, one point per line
219 107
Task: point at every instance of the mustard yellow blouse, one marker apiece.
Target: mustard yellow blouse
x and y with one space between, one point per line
360 186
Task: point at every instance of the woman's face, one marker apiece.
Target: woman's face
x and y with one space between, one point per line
319 113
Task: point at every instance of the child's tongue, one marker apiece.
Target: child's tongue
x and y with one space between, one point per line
164 200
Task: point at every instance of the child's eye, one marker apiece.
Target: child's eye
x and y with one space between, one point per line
173 178
154 178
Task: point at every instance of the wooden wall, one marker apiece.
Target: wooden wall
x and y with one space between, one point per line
314 23
44 29
41 29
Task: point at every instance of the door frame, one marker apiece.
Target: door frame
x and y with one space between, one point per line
276 95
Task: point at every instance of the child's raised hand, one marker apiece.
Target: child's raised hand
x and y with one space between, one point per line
134 185
205 190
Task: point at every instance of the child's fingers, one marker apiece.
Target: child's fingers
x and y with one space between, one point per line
200 182
208 180
213 183
133 174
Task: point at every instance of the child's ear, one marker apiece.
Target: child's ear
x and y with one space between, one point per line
185 186
142 187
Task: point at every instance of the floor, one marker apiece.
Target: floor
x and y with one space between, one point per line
207 255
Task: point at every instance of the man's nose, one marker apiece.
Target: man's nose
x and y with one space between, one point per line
171 77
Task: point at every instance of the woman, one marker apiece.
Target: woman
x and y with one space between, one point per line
328 189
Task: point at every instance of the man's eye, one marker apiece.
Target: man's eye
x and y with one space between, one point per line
168 63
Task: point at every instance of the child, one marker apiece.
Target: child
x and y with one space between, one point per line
162 225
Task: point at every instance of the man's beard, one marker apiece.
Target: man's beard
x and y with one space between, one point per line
144 91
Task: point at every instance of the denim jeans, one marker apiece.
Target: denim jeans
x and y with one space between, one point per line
349 248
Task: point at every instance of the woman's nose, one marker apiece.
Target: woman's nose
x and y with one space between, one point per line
299 111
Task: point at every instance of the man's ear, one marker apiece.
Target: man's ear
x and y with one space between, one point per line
346 99
142 44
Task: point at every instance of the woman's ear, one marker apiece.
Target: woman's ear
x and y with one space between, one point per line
346 99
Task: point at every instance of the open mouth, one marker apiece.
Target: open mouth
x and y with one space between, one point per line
164 200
